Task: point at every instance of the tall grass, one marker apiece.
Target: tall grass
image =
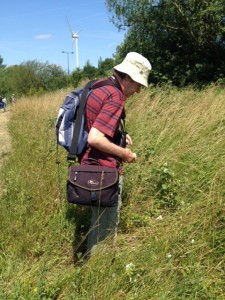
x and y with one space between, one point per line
171 239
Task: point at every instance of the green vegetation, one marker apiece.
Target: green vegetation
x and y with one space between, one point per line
184 40
31 77
35 78
171 239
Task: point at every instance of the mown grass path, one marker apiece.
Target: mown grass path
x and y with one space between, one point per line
4 135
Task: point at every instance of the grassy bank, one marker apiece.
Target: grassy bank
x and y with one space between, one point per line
171 239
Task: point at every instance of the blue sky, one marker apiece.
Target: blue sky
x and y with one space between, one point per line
38 30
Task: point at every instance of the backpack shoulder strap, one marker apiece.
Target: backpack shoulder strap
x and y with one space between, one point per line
106 82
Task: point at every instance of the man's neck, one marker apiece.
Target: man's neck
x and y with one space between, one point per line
118 82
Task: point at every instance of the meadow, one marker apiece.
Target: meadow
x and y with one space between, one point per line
171 239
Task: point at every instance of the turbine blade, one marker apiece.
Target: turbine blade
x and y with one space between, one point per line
70 28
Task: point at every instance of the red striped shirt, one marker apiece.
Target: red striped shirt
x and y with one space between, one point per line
103 111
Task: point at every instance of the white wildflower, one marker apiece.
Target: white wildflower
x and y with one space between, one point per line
129 266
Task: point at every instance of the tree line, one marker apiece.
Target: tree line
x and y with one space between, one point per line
33 77
183 39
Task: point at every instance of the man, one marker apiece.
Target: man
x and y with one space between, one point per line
4 103
12 99
104 109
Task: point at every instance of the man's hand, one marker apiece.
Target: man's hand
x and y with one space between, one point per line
98 140
128 140
129 156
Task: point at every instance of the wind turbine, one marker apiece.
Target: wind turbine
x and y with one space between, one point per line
75 36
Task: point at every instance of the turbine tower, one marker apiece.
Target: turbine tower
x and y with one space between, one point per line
75 36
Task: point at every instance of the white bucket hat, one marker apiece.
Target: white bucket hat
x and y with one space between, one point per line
136 66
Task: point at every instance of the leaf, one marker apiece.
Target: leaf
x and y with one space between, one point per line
164 187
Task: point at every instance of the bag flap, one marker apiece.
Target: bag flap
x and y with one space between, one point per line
93 177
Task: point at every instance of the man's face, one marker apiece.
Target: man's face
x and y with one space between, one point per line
132 87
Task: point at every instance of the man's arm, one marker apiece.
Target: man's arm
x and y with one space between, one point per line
98 140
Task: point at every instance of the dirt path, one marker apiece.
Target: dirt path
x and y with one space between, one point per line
4 135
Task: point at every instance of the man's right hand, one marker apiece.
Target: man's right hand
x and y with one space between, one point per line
98 140
129 156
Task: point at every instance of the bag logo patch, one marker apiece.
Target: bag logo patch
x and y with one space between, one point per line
93 182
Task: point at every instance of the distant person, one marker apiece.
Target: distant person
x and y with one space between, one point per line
4 103
104 110
12 99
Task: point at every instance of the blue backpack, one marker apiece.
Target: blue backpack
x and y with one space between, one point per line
71 131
